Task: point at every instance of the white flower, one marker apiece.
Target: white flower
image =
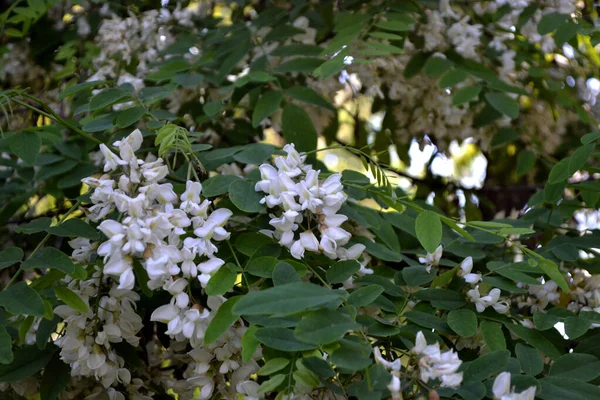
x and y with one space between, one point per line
308 241
111 160
502 389
465 271
432 260
165 313
213 226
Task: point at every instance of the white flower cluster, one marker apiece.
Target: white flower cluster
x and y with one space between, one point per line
435 364
170 237
294 188
421 107
110 318
503 391
150 232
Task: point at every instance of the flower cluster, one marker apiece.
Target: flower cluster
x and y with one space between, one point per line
172 238
152 231
86 344
294 188
435 364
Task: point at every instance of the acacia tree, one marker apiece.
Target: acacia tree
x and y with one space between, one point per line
210 201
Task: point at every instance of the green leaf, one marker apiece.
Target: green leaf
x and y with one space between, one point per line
79 87
141 277
590 137
579 157
218 185
286 299
99 124
429 230
416 276
20 299
300 64
271 384
35 226
386 35
530 359
453 78
561 388
188 79
222 320
492 335
415 64
463 322
74 227
212 108
244 197
6 353
249 343
221 282
130 116
26 145
560 171
436 66
576 327
262 266
27 361
107 98
352 355
50 257
281 339
342 270
471 391
441 298
10 256
536 339
308 96
396 26
46 328
55 379
70 298
268 103
319 366
428 321
551 269
298 128
549 22
565 32
297 50
273 365
284 273
365 295
503 103
324 326
465 94
255 153
486 366
525 162
584 367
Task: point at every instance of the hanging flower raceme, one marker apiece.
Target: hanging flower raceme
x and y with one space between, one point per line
173 239
435 364
306 203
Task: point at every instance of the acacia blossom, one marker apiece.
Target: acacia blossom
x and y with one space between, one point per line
294 188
